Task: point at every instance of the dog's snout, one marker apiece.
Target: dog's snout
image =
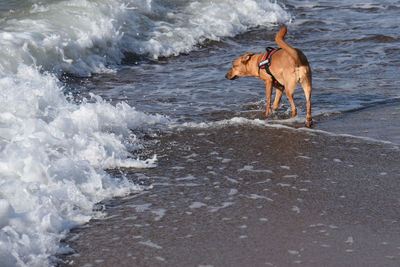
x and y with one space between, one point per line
229 76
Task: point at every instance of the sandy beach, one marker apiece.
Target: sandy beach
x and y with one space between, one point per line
242 194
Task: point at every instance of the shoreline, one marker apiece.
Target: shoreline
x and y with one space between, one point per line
381 122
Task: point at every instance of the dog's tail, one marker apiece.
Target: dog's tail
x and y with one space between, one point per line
279 40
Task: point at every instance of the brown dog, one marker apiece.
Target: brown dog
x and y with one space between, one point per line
289 66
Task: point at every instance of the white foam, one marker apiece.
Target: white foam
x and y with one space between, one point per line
233 191
291 176
349 241
52 159
232 180
160 213
150 244
225 160
179 30
237 121
255 197
293 252
296 209
74 36
160 258
250 168
196 205
217 208
276 124
141 207
363 138
82 36
189 177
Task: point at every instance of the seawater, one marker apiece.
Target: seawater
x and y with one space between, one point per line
351 47
55 143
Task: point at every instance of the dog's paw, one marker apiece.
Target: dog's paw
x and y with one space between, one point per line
309 123
268 112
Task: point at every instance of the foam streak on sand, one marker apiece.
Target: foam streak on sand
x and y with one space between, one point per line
276 125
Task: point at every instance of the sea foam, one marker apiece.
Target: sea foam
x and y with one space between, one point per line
179 28
82 37
52 160
79 37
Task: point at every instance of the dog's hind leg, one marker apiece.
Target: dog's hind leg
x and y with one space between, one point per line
306 84
289 90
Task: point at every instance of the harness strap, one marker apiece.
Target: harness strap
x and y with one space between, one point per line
266 63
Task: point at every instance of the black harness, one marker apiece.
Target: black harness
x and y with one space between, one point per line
266 63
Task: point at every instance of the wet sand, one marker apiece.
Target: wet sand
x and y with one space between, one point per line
252 195
381 122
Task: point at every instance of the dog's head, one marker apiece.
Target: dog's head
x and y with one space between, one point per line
239 67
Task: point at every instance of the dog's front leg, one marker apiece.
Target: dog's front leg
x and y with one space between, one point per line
268 89
278 96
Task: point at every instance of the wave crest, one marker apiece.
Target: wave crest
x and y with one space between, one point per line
84 37
52 159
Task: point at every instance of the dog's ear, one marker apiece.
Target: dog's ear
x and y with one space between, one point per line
246 57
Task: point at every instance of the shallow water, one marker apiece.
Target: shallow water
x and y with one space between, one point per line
354 66
127 100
